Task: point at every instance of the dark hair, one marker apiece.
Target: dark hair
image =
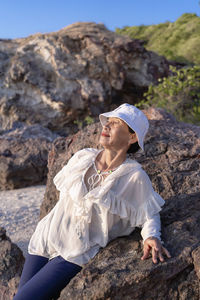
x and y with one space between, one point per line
133 147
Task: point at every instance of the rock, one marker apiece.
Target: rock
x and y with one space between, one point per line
172 160
11 263
23 155
172 157
196 258
57 78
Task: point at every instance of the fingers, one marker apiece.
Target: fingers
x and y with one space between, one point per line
157 254
154 255
157 251
166 252
146 252
145 256
161 258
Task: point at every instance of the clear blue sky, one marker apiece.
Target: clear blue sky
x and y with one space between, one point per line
20 18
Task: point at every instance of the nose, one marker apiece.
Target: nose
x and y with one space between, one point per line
106 127
107 124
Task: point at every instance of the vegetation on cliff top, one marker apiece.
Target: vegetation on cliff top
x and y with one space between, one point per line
179 94
178 41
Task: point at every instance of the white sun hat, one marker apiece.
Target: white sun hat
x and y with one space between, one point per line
133 117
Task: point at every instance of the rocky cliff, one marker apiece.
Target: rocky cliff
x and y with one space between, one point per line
57 78
52 82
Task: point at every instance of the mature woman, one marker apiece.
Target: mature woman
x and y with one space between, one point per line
103 195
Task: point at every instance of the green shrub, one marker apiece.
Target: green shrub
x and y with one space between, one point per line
179 94
82 123
179 41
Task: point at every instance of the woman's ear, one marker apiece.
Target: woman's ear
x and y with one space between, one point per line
133 138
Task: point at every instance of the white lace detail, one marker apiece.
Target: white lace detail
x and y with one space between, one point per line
97 177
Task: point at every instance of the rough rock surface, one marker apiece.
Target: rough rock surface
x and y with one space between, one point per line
11 262
56 78
172 160
23 155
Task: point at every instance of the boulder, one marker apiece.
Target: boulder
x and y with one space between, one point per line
23 155
11 263
57 78
172 160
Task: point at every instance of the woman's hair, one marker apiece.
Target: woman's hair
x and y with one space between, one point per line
133 147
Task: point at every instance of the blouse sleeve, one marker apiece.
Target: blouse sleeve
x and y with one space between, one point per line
142 200
62 177
151 227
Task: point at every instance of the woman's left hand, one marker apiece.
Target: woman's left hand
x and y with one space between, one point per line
154 245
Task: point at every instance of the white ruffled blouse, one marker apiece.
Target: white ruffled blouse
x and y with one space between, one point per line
83 221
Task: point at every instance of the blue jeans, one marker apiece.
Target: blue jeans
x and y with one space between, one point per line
43 279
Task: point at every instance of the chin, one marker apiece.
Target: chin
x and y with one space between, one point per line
103 143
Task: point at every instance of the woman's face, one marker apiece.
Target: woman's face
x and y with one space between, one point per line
115 135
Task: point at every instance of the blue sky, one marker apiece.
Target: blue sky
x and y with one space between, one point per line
20 18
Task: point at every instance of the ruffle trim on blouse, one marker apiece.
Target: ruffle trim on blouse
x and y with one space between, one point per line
125 210
75 166
115 205
60 179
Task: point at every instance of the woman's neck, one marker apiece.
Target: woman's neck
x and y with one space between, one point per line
109 160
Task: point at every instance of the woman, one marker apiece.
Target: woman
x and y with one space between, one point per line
103 195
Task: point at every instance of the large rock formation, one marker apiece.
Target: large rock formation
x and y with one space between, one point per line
172 160
23 155
58 78
11 263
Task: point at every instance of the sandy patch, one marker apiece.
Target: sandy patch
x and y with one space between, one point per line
19 213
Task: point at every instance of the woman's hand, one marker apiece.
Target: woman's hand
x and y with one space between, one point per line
154 245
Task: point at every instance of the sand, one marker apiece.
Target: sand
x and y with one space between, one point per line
19 213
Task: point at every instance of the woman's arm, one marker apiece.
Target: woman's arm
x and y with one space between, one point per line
152 242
